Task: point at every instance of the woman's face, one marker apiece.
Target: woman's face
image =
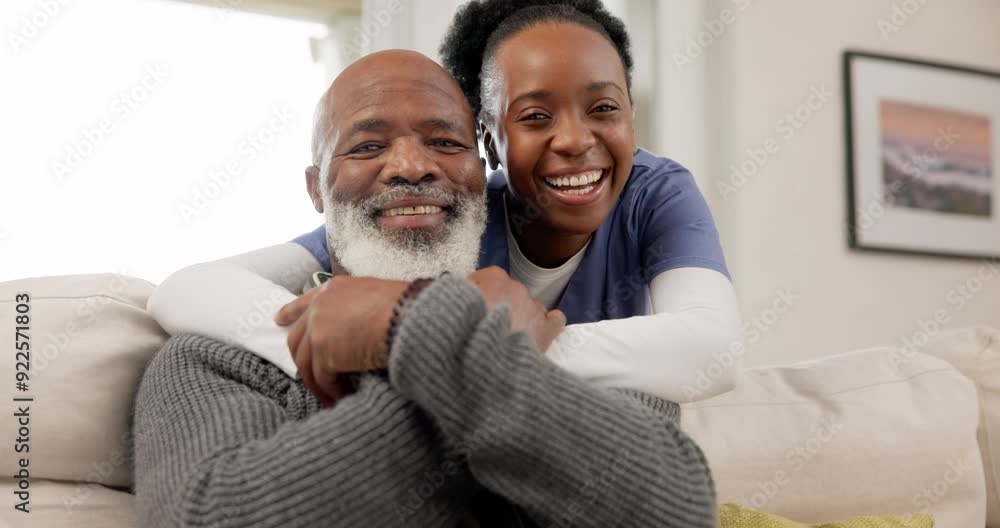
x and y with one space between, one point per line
562 124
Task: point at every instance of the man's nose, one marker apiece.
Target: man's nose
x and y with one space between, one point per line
410 162
572 137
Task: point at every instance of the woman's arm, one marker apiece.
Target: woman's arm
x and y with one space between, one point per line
688 350
235 299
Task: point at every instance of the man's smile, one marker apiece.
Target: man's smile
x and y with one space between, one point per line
417 212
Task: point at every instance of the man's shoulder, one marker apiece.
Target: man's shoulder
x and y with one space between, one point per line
208 363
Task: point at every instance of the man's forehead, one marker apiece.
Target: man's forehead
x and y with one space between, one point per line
382 105
385 93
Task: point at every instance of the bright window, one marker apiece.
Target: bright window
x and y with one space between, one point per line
140 136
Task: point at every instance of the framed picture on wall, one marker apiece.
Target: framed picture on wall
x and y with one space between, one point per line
923 147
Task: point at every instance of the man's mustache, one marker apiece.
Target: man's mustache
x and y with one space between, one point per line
376 202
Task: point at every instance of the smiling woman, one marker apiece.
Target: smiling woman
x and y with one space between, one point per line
552 119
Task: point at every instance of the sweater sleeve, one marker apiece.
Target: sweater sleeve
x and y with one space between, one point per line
565 451
223 438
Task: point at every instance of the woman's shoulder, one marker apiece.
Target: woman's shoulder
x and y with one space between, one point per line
646 161
655 179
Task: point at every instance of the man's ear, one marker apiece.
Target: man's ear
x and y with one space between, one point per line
491 151
312 185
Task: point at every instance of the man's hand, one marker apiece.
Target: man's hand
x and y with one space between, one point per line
339 328
527 314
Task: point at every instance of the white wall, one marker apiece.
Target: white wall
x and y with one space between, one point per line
785 228
407 24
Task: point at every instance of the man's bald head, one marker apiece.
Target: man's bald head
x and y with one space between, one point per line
380 74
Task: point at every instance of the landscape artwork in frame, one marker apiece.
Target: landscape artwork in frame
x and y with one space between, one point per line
922 155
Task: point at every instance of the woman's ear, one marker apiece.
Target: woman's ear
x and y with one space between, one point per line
491 152
312 185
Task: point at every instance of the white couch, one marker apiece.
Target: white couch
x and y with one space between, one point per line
873 431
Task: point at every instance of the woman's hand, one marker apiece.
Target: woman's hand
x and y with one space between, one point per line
527 314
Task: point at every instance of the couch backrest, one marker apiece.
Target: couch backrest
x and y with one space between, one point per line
90 340
878 431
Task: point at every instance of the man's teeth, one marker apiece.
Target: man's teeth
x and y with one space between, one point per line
574 181
418 210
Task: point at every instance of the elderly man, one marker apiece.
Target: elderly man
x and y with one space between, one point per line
469 426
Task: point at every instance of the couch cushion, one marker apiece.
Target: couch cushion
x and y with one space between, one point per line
78 504
849 435
976 353
90 341
736 516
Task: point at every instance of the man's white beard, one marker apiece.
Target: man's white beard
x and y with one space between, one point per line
363 248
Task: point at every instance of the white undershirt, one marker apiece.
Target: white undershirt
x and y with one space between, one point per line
544 284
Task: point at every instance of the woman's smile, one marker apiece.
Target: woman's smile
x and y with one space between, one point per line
577 188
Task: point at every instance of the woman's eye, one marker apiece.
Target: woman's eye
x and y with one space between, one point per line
367 147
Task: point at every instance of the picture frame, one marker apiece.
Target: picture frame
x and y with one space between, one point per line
922 147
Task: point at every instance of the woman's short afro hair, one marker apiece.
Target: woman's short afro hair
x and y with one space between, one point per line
480 26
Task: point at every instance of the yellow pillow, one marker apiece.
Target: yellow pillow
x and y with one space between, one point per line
735 516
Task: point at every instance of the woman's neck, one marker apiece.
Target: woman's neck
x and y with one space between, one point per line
538 244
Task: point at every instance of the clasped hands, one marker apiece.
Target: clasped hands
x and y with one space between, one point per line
340 327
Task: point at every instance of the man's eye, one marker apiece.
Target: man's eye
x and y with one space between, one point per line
444 143
366 148
535 116
605 108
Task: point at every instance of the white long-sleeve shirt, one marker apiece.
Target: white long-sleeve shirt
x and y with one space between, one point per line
682 352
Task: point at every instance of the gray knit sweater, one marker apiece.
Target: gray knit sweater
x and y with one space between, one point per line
471 423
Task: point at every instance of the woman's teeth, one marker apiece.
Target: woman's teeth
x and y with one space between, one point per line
578 192
576 180
418 210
